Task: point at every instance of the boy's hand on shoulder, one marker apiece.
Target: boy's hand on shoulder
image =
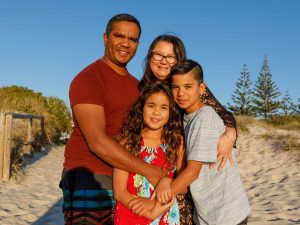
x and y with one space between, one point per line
140 206
163 191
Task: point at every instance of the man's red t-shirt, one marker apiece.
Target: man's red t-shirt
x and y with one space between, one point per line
100 85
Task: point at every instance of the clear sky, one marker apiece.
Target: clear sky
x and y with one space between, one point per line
44 44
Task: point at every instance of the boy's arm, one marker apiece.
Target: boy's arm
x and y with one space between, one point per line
181 165
163 189
186 177
181 159
180 183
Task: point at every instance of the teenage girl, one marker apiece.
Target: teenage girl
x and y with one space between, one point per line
152 131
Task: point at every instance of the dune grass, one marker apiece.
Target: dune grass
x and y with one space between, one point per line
243 123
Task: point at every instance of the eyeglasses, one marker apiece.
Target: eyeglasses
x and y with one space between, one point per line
158 57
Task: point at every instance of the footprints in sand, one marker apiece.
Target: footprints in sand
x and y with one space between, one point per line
272 179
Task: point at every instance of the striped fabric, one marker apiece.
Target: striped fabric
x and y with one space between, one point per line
85 203
88 207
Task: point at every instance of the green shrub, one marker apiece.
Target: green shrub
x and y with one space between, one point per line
57 117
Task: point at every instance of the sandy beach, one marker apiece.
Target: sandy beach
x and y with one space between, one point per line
271 177
36 199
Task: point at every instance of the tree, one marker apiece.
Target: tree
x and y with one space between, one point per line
286 104
265 93
61 113
296 107
242 98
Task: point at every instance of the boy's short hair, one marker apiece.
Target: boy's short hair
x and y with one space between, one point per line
188 66
122 17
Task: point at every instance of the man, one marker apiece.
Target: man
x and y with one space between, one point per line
100 96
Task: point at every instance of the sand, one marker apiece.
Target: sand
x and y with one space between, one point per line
271 177
37 198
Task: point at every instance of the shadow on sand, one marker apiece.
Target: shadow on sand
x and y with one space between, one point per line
53 216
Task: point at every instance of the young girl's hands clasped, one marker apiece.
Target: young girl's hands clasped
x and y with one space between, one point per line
158 209
148 208
141 205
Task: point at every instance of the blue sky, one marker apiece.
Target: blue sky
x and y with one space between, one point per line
44 44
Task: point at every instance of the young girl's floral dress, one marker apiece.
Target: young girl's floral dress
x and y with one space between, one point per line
139 185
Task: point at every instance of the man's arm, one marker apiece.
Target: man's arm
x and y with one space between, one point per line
163 190
91 120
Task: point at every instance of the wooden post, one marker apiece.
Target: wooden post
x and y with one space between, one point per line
43 135
7 151
28 147
2 128
29 128
5 139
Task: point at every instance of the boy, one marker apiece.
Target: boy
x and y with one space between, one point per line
219 197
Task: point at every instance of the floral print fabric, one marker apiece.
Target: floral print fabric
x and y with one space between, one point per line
140 186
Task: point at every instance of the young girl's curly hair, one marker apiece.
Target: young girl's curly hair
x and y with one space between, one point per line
172 134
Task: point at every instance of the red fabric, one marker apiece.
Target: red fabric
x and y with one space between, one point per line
98 84
123 216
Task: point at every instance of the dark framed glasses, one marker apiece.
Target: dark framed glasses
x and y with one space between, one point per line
159 57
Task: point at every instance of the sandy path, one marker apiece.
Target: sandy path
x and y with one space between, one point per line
271 177
37 199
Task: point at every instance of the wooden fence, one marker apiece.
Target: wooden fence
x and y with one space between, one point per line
6 120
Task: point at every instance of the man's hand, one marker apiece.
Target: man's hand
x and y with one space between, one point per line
156 174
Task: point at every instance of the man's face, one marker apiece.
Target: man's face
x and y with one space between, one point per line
122 42
187 91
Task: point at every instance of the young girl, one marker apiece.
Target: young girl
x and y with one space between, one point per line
152 131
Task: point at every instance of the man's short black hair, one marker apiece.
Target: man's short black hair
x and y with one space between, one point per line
120 18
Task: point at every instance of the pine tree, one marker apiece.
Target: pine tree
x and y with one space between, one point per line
242 97
296 108
286 104
265 93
